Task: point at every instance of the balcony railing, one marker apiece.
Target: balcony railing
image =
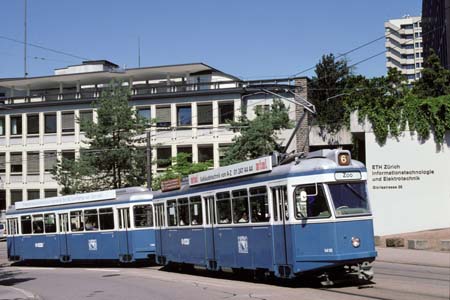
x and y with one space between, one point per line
136 90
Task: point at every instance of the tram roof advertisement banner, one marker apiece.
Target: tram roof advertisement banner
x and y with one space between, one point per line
250 167
86 197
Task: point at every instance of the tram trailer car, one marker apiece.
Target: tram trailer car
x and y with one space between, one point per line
114 225
309 216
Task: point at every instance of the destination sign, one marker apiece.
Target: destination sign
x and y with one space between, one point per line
86 197
255 166
356 175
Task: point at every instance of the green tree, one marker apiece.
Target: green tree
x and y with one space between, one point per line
258 137
112 157
435 80
180 166
330 81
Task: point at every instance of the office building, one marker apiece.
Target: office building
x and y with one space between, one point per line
404 46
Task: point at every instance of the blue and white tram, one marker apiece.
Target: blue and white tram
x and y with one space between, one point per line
114 225
311 216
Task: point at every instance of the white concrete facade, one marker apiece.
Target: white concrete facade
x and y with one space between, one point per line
404 46
191 103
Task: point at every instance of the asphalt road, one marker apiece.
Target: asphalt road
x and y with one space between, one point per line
392 281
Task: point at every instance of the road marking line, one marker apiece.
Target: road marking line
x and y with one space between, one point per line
35 268
24 292
103 270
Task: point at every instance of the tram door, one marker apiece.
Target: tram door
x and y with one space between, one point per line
160 223
63 243
13 230
124 234
210 220
281 233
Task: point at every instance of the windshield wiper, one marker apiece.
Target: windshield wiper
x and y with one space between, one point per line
355 192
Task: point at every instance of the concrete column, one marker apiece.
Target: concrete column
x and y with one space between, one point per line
215 112
302 135
194 112
41 128
216 155
173 114
58 127
7 129
237 108
174 150
194 153
24 129
41 166
76 114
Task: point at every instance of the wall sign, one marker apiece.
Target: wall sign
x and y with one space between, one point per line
255 166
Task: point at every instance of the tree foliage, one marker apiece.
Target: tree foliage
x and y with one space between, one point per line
258 137
112 157
180 166
435 80
330 80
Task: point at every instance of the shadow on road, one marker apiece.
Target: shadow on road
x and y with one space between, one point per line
11 277
256 277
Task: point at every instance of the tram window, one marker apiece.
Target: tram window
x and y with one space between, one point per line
172 212
183 211
38 224
240 206
12 227
76 221
310 202
143 216
274 204
195 206
223 205
91 219
26 224
50 223
106 218
259 205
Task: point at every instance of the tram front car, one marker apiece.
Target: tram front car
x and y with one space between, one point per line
332 230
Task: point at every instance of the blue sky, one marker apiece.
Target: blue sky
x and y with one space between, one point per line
248 38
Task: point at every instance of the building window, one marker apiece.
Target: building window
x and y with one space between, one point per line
33 194
163 156
2 126
68 122
163 118
16 125
187 150
16 162
417 34
262 109
205 153
68 154
184 115
50 123
33 163
16 196
49 160
406 26
226 112
145 114
204 114
50 193
2 163
86 116
33 124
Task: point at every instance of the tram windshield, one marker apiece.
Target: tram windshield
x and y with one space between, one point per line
349 198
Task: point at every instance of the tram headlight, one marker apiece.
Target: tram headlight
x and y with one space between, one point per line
356 242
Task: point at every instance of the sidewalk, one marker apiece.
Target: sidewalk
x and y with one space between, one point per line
9 292
414 257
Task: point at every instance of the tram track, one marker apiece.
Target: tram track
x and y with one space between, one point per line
405 294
